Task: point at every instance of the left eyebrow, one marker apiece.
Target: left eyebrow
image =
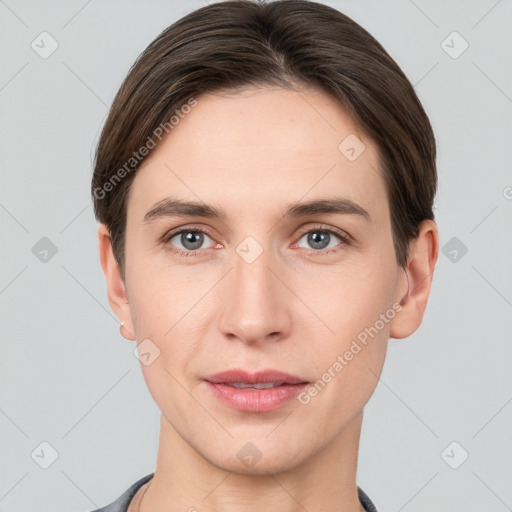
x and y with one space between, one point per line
170 206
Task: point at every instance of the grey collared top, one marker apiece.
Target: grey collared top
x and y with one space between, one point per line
121 504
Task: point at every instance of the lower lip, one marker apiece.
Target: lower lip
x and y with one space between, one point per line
256 400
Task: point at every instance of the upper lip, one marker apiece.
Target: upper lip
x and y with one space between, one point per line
260 377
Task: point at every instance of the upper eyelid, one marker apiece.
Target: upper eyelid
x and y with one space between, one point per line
345 237
173 232
324 227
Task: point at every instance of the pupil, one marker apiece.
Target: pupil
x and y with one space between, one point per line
318 239
193 238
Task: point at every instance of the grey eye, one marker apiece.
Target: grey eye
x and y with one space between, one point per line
191 240
319 239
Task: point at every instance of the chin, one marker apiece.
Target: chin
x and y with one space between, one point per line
263 467
252 461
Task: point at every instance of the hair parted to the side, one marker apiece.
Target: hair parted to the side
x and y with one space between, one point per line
286 43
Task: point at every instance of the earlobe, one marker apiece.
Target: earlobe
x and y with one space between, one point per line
125 333
423 253
116 289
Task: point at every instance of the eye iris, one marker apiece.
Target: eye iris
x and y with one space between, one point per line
193 237
317 239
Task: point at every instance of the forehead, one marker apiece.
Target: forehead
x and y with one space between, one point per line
262 146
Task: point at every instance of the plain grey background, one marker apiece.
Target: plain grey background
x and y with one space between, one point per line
70 380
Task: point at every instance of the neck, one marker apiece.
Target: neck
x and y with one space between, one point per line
185 480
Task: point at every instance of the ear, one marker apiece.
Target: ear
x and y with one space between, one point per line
117 296
423 253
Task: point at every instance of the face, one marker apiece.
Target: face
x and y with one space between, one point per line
270 284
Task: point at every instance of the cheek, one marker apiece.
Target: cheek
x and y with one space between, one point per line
346 299
167 310
348 363
355 307
159 295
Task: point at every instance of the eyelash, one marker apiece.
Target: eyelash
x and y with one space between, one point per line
344 237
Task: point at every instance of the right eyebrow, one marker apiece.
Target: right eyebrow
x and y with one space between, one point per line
336 205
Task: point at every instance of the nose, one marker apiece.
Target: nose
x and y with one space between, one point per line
255 302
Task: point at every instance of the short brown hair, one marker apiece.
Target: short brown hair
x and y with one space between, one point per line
241 43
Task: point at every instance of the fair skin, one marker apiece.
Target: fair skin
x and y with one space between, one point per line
295 308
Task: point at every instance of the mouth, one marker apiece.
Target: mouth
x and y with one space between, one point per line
260 385
266 378
263 391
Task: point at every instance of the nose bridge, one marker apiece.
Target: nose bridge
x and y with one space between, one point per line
254 305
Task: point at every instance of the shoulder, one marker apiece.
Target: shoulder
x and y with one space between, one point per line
121 503
365 501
